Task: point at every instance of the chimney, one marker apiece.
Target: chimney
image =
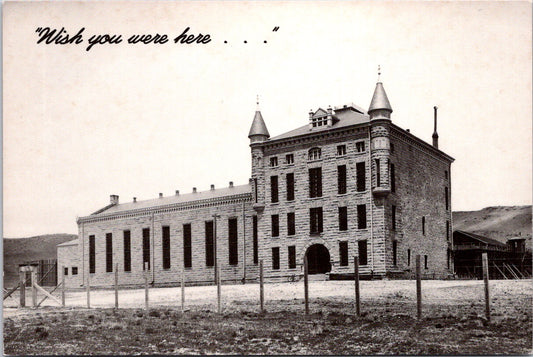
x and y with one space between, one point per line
134 199
330 116
113 199
194 190
435 136
212 187
407 130
231 184
160 195
177 192
310 119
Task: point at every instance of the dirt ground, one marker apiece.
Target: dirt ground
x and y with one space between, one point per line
453 321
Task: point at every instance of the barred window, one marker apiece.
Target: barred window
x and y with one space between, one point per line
341 179
274 189
275 258
146 247
292 257
290 187
315 182
187 246
291 226
109 252
343 218
275 225
233 241
315 215
166 247
343 253
361 176
362 248
127 251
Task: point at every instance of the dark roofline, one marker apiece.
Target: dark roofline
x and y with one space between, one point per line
310 134
483 239
422 142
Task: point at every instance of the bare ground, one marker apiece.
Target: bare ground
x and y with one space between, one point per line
453 321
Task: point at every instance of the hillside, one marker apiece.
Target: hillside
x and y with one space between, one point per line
499 222
20 250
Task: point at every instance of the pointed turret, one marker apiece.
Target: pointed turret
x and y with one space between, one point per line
258 131
380 107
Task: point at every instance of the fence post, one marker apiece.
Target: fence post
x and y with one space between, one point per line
182 290
146 285
356 278
63 285
116 286
22 284
418 289
261 287
218 289
88 291
33 288
486 283
306 286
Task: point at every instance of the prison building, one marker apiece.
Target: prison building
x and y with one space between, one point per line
348 183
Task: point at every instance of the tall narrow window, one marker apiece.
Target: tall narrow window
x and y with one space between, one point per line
290 187
92 255
166 247
423 225
109 252
255 240
392 178
343 253
209 244
291 226
363 258
274 189
409 257
255 190
446 174
315 182
292 257
341 179
447 258
360 146
127 251
361 176
393 217
275 258
233 242
275 225
361 216
446 197
394 252
146 247
187 246
289 159
378 173
65 271
447 230
425 262
315 215
343 218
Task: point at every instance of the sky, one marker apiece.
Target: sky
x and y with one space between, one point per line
139 119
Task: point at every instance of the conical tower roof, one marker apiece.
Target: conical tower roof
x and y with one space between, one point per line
258 126
379 99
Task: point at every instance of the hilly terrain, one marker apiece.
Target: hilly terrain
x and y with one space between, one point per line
498 222
20 250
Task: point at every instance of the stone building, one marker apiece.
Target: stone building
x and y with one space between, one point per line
348 183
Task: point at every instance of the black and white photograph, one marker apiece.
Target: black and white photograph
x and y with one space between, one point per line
267 178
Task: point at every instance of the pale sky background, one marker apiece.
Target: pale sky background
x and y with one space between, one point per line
136 120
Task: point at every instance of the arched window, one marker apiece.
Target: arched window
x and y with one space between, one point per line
315 154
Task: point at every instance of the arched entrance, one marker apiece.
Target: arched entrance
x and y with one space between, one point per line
318 259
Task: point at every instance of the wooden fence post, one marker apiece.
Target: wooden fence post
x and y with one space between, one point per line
218 289
63 285
22 284
88 290
182 290
33 288
306 285
418 289
261 286
146 305
116 286
486 283
356 279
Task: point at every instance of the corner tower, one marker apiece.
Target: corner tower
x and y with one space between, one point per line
257 135
380 112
